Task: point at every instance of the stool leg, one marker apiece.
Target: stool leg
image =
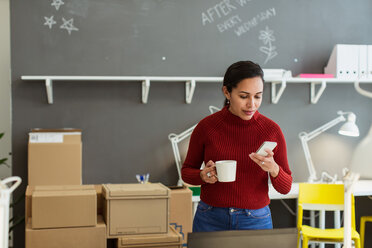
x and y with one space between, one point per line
357 243
362 229
305 242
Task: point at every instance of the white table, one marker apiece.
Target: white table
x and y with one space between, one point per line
361 188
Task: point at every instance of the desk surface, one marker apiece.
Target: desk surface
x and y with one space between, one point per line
361 188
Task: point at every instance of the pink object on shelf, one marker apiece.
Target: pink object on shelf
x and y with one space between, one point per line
312 75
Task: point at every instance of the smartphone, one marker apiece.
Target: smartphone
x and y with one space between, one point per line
266 145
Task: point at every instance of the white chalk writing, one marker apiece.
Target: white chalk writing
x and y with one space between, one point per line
57 4
242 2
253 22
267 37
222 12
219 10
68 25
229 23
49 21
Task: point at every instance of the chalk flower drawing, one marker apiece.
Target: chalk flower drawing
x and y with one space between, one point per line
57 3
267 36
49 21
68 25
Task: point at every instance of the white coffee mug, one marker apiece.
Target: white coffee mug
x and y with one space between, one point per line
226 170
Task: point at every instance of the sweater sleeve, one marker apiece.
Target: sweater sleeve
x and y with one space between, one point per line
194 159
283 181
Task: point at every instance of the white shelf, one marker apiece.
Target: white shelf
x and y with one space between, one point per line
190 82
275 76
315 93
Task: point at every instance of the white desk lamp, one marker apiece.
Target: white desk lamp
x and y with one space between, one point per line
176 138
348 129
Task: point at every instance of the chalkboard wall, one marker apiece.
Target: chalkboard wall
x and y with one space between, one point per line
122 136
108 37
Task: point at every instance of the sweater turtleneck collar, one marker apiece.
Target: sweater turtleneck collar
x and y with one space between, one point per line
236 119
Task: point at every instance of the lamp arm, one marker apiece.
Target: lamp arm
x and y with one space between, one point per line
305 137
175 139
309 162
181 136
177 159
325 127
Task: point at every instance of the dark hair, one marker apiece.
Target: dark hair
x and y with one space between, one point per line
239 71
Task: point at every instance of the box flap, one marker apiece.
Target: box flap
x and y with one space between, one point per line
63 187
57 193
98 188
135 190
58 130
29 190
171 237
180 190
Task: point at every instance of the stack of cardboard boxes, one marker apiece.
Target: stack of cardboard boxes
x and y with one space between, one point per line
61 212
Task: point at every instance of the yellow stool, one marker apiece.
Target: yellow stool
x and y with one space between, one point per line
363 221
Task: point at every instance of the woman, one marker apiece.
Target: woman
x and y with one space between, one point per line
235 133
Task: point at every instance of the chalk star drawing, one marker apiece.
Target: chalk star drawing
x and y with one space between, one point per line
49 21
267 36
57 3
68 25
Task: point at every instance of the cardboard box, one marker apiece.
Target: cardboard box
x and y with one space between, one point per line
30 189
54 157
180 213
100 199
194 188
74 237
172 239
28 201
64 206
136 209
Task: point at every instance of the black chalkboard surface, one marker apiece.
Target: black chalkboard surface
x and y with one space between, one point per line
123 137
182 38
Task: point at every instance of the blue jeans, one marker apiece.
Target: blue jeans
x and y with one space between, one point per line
208 218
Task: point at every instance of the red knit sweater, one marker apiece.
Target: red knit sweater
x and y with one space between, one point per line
225 136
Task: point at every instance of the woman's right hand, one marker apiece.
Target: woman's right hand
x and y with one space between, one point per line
208 174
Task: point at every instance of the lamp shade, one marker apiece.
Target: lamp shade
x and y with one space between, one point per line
349 128
361 161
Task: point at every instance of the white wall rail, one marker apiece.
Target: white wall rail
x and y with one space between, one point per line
275 76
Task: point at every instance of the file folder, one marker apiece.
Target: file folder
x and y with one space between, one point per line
344 62
369 62
363 62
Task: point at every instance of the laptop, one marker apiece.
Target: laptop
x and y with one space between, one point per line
278 237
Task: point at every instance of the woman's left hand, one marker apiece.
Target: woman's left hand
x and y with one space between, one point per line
266 163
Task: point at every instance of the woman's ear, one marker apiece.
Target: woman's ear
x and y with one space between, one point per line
226 92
